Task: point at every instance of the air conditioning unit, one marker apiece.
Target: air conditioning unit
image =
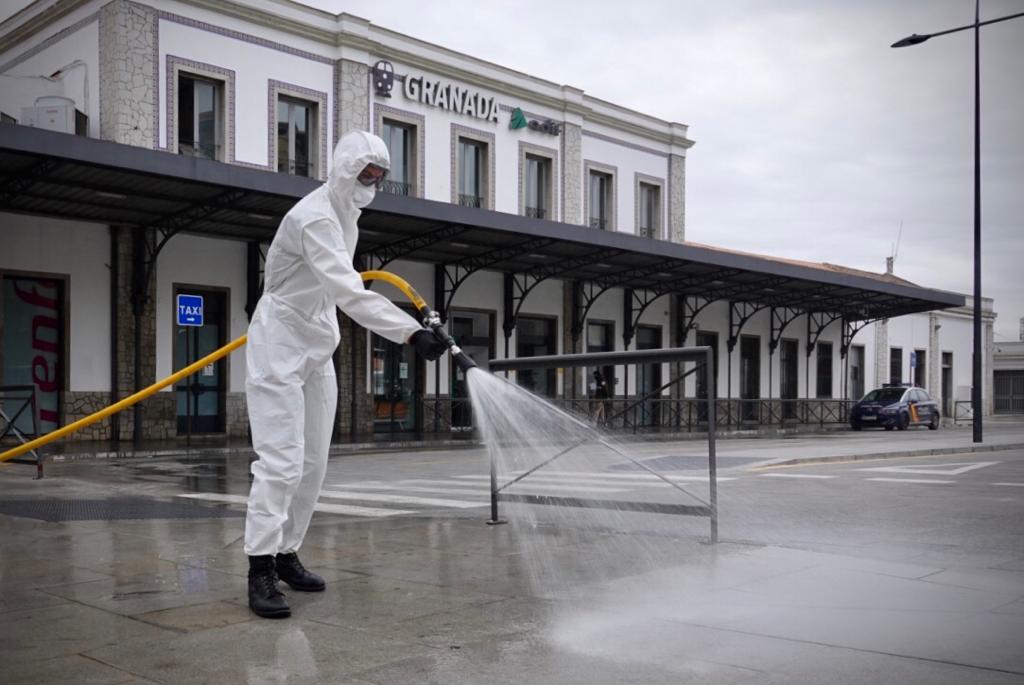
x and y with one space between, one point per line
55 113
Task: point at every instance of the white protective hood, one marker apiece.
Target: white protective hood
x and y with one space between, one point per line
354 151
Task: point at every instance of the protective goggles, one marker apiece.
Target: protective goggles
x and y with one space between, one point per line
372 175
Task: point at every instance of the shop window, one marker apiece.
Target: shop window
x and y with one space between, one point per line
895 364
600 200
649 219
537 196
400 139
296 136
824 375
472 172
200 116
33 347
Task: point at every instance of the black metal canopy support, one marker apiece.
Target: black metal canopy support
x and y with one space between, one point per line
689 306
455 274
635 303
379 257
16 184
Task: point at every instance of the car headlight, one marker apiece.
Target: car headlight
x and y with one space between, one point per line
890 410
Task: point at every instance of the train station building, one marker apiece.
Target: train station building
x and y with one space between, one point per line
149 150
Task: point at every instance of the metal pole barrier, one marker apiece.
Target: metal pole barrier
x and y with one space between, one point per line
712 466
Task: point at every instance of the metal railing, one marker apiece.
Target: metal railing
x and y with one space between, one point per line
470 200
397 187
198 149
16 402
536 212
596 222
688 415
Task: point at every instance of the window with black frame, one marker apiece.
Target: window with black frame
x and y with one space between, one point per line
200 116
400 139
296 132
895 364
824 375
650 210
600 200
538 187
472 176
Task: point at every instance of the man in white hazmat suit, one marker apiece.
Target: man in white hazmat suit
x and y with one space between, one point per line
290 387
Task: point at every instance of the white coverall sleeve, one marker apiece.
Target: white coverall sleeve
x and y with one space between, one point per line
325 252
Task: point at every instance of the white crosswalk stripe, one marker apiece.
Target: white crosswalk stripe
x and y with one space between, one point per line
450 488
348 510
794 475
401 499
618 479
910 480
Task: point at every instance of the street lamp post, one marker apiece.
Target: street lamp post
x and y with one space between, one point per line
916 39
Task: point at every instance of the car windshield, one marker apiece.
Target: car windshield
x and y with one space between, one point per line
885 395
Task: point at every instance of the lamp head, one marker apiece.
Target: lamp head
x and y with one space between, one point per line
910 40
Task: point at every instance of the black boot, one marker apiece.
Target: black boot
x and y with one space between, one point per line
291 571
264 598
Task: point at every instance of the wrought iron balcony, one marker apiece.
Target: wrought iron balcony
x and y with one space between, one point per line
646 231
536 212
470 200
596 222
198 149
397 187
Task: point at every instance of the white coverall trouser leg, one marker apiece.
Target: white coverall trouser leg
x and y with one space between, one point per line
294 393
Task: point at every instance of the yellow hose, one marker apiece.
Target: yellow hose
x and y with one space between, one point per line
386 276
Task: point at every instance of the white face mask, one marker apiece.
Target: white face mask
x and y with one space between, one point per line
363 195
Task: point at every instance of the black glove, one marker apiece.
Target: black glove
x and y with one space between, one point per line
427 346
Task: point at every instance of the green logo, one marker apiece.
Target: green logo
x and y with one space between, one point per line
518 119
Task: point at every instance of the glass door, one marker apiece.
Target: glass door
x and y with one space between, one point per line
396 389
200 397
649 376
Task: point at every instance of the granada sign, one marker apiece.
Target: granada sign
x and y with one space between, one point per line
450 97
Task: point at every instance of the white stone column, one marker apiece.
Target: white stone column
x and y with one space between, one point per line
128 75
572 173
881 352
677 198
352 90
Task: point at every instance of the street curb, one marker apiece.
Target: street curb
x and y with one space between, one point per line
890 455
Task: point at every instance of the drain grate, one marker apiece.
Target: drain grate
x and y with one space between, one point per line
116 509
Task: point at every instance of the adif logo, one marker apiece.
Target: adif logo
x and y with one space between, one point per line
518 119
383 78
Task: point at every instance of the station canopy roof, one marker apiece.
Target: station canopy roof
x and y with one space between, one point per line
74 177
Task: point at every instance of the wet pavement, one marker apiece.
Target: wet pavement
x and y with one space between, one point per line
905 570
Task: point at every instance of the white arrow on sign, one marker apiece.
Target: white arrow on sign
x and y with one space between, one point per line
935 469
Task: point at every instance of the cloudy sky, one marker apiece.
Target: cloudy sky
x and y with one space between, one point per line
815 139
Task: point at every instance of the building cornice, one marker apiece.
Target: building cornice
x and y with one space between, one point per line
33 25
363 41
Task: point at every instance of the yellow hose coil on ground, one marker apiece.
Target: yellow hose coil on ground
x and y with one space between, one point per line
394 280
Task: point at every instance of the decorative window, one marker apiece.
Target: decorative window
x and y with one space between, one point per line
400 138
472 172
537 193
200 116
648 220
297 136
599 195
